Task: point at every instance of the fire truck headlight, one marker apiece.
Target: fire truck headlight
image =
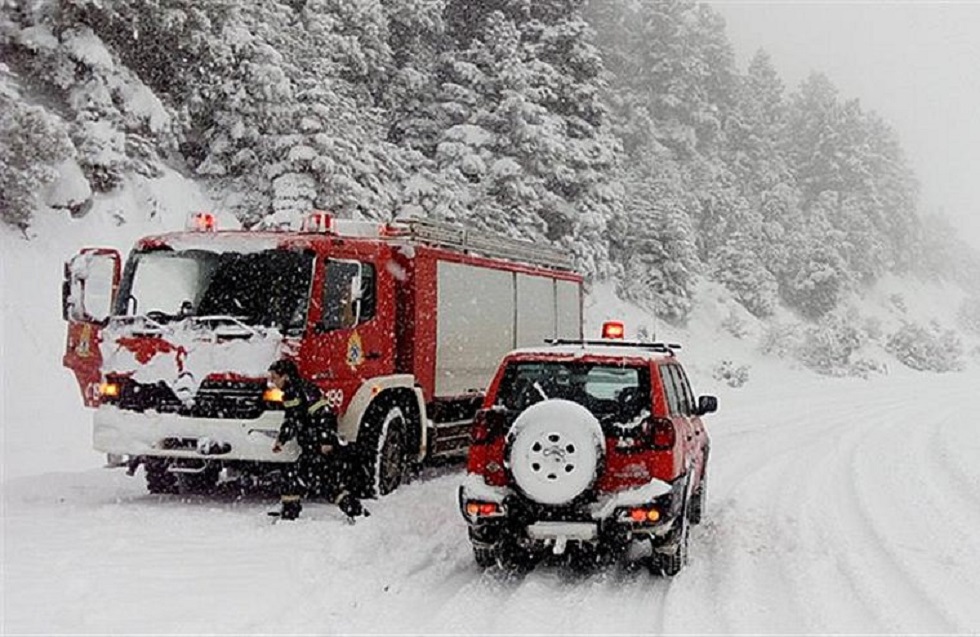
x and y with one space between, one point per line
272 395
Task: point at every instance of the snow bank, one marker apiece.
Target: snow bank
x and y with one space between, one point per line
43 425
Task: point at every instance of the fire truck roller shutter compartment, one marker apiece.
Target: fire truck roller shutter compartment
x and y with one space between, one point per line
475 326
484 313
569 303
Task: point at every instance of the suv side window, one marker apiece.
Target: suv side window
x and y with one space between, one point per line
673 405
683 402
340 311
686 387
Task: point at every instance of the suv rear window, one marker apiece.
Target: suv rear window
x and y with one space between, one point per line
615 394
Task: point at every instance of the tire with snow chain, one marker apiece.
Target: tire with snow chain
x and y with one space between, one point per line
555 451
384 452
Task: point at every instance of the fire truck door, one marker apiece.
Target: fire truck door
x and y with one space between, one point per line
87 297
352 340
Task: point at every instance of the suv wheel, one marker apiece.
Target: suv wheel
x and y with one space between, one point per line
670 564
696 510
504 554
485 557
555 451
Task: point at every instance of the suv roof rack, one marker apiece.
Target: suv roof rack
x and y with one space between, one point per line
666 348
446 235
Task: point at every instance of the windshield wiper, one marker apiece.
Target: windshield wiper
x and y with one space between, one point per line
216 320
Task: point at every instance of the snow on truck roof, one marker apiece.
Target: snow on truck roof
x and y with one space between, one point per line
202 234
597 349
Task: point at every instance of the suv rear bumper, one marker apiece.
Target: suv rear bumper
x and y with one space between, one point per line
604 523
151 434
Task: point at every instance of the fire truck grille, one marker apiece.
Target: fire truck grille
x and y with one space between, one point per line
214 399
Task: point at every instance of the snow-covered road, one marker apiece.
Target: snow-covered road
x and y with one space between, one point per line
835 506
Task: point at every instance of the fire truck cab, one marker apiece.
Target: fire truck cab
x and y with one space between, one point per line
400 324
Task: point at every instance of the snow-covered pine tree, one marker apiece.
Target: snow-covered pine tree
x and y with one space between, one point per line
524 135
32 142
654 243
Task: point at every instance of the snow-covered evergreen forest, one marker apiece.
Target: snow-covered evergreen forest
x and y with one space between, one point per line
620 130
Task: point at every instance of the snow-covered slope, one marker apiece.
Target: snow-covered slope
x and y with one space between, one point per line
43 428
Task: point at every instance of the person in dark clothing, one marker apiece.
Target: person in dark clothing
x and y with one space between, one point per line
324 459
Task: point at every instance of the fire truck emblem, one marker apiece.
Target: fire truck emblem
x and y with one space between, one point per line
355 350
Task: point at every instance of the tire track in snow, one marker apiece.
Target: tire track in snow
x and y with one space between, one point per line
843 602
779 519
906 604
923 526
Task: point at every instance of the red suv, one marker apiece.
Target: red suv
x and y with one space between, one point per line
594 448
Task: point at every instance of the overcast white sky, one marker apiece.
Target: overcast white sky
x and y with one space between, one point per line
917 63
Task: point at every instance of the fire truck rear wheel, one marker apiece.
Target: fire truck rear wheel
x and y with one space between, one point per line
158 479
385 451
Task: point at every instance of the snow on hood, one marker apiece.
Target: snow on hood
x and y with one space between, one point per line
182 355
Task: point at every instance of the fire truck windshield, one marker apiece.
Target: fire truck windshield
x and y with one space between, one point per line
269 288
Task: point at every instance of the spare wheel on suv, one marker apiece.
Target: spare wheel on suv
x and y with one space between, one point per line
555 451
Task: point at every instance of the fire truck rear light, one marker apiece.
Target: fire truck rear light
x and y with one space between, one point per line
272 395
317 221
202 222
613 329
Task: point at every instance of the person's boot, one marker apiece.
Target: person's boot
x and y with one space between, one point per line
351 507
290 509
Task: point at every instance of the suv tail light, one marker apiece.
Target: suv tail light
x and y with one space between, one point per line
488 425
663 435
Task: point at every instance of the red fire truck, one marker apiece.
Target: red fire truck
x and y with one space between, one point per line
401 324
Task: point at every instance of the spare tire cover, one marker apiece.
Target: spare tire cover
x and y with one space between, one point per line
555 450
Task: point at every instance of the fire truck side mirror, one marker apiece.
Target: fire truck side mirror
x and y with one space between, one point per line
356 285
356 294
66 295
91 280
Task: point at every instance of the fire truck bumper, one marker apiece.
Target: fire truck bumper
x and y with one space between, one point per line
134 434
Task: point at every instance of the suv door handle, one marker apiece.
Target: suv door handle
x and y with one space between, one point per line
372 355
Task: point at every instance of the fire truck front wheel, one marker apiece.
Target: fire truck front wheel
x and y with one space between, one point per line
384 448
159 480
